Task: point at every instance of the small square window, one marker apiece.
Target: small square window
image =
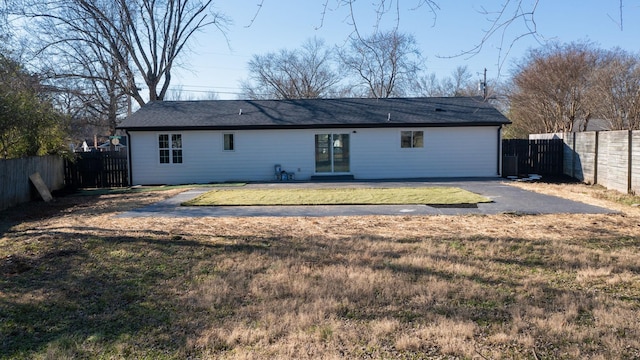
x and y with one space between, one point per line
405 139
177 156
163 141
418 139
411 139
164 156
228 142
176 141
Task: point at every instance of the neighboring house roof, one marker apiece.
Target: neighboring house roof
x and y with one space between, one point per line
108 145
313 113
592 125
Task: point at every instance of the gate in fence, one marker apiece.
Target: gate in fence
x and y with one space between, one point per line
97 170
544 157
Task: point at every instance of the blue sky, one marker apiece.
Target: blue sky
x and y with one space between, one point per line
213 64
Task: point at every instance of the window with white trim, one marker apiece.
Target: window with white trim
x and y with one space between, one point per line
228 142
411 139
170 148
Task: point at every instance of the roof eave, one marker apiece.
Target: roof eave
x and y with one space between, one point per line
310 126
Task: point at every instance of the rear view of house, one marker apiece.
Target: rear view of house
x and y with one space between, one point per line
175 142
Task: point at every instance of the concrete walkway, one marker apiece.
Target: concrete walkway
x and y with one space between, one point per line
506 199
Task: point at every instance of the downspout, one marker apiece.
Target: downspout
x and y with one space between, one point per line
499 150
129 168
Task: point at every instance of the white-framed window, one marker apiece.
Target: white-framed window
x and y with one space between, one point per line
411 139
170 148
228 142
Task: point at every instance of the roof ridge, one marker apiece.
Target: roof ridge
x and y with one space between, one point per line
309 113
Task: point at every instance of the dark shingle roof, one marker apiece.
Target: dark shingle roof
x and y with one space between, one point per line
313 113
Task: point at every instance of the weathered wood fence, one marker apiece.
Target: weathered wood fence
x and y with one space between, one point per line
540 156
97 170
607 158
15 186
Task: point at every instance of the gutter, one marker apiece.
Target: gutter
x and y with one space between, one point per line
306 127
130 168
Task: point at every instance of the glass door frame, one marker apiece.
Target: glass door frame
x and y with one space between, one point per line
335 154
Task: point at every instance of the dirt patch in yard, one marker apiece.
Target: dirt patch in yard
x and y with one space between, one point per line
588 194
76 282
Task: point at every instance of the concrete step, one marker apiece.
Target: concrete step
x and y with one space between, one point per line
332 178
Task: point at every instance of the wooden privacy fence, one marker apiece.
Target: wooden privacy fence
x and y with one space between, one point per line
607 158
543 156
97 170
15 186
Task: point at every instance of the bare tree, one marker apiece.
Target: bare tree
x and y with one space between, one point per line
550 86
427 85
305 73
144 38
6 30
459 83
615 90
93 78
4 26
178 93
507 22
384 64
84 73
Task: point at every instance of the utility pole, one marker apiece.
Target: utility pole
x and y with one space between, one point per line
483 85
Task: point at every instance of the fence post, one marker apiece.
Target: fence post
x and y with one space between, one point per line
629 163
595 158
573 156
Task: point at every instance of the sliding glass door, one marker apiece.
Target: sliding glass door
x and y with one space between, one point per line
332 153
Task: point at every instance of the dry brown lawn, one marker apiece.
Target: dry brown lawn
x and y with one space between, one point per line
75 282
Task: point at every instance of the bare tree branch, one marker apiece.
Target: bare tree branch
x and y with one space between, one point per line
299 74
551 87
144 36
255 15
385 63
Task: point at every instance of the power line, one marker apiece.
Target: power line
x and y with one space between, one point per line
205 86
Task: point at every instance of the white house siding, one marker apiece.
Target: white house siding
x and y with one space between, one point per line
447 152
375 154
204 160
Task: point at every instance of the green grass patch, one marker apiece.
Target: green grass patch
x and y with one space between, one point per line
338 196
616 196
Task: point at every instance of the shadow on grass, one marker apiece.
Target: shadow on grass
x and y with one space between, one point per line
75 293
85 199
91 292
35 210
81 295
72 204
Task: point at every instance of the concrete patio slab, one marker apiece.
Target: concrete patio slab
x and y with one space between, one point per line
506 199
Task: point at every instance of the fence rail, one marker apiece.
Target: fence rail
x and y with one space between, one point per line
15 186
97 170
607 158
